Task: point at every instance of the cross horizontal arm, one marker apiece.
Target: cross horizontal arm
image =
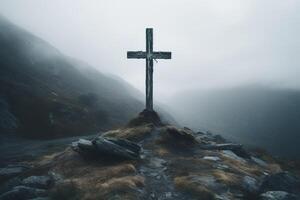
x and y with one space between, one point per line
136 54
154 55
161 55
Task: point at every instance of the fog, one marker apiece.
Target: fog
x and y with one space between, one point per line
214 44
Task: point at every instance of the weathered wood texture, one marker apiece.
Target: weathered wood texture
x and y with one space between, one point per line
149 69
136 54
161 55
143 55
149 55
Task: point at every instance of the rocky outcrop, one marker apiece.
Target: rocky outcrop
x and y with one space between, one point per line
41 182
22 192
12 171
282 181
155 161
111 148
278 195
145 117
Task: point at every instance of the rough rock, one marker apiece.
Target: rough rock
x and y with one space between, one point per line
22 192
83 146
8 120
117 147
232 155
57 178
282 181
11 171
157 162
259 161
278 195
42 182
168 195
41 198
212 158
250 185
179 139
9 184
103 147
236 148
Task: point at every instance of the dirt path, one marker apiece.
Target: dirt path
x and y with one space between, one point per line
158 184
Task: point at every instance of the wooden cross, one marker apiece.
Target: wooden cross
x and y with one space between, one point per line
149 55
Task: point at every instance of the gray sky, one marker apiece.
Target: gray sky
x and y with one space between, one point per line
215 43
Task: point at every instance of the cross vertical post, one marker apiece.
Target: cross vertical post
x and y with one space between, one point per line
149 69
149 55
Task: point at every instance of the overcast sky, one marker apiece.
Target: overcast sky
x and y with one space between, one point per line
214 43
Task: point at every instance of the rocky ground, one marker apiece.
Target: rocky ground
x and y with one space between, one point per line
174 163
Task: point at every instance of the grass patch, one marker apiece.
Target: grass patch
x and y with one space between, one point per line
133 134
145 117
179 139
227 178
185 184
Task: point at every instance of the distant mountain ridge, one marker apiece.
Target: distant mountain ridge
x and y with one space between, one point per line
255 115
46 94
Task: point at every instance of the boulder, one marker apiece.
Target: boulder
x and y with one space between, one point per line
117 147
83 146
250 185
236 148
278 195
176 138
282 181
42 182
259 161
107 147
9 184
11 171
212 158
22 192
232 155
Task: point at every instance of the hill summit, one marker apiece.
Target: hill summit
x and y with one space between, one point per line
171 163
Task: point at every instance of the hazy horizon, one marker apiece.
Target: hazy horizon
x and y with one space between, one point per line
214 43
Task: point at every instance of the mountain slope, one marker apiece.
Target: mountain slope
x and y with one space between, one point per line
254 115
44 93
147 159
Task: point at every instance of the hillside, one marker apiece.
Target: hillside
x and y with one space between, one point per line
254 115
46 94
147 159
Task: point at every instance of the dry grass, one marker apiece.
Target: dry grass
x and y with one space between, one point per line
92 179
162 151
274 168
134 134
227 178
242 168
185 184
86 188
291 165
173 137
263 154
145 117
122 184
